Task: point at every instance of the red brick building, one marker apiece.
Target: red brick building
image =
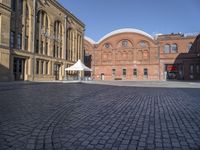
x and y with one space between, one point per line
131 54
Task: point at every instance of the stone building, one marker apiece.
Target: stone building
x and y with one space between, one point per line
38 39
131 54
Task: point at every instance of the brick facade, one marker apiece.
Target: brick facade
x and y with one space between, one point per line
131 54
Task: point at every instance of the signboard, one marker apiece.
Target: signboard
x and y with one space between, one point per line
171 68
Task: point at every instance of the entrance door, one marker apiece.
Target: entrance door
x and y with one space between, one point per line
18 69
102 76
57 71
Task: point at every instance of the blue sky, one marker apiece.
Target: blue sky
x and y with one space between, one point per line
151 16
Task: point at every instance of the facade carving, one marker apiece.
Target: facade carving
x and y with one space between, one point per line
131 54
38 39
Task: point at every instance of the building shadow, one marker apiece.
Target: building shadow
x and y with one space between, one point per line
186 65
4 73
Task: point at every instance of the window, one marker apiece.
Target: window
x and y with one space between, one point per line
41 47
37 66
124 72
107 45
20 6
167 48
174 48
42 67
46 48
189 47
19 41
54 50
46 71
113 72
26 42
37 46
191 69
135 73
145 72
125 43
12 39
13 5
142 44
198 69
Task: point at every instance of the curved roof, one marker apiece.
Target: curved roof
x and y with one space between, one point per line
130 30
89 40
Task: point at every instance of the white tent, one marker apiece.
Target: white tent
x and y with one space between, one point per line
78 66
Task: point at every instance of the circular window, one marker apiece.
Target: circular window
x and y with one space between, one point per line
107 45
125 43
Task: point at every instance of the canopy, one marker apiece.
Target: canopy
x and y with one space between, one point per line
78 66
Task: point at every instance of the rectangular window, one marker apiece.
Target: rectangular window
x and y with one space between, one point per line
198 69
57 51
19 41
13 5
191 69
135 73
113 72
60 52
12 39
26 42
42 67
20 6
41 47
37 46
145 72
47 65
37 66
46 48
124 72
54 51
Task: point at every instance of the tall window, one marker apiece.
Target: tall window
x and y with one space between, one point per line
113 72
58 38
41 47
42 30
46 71
26 42
198 69
135 73
167 48
37 66
37 46
12 39
124 72
191 69
42 67
46 48
174 48
145 72
19 41
13 5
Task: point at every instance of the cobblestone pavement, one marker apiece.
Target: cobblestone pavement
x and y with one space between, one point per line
47 116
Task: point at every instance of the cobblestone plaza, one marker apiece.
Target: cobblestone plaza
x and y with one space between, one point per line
57 116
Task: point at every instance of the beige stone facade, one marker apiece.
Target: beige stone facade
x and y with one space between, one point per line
38 39
131 54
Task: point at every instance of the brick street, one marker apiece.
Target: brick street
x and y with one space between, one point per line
57 116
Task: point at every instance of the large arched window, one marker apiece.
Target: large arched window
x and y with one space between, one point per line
174 48
166 48
57 50
42 35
